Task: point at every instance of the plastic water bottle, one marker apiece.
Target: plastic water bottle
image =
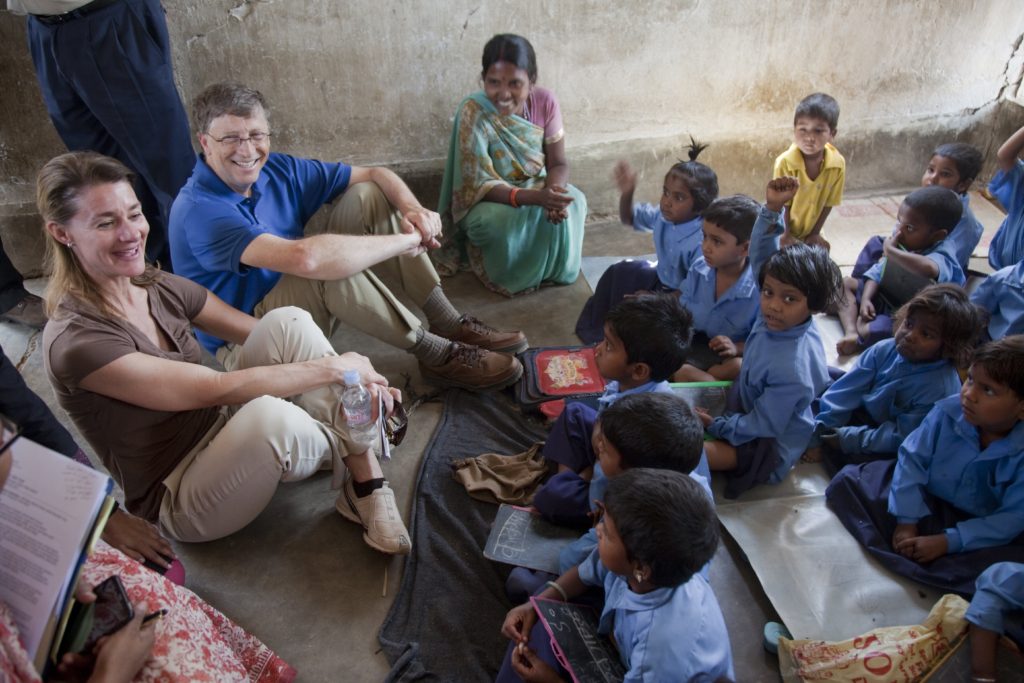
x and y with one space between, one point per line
357 403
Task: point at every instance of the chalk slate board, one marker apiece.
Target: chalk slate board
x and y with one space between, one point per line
956 667
588 656
899 285
700 355
525 539
710 396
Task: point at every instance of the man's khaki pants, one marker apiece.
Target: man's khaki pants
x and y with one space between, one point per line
362 300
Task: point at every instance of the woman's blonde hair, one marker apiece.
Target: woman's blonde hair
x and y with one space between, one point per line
58 187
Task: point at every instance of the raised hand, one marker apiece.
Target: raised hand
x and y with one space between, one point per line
625 177
779 191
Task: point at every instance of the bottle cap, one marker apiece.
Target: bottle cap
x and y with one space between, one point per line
351 377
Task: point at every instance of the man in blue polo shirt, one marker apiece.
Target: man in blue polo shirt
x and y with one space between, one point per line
238 228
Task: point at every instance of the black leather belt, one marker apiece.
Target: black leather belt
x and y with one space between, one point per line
82 11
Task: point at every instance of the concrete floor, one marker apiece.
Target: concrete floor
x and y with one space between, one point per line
300 577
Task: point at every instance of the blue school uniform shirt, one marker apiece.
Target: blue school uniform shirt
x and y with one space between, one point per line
999 590
942 254
211 225
967 233
612 394
669 634
896 393
943 457
1007 246
677 244
782 373
577 551
734 313
1002 295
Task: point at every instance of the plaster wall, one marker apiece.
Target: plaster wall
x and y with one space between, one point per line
377 81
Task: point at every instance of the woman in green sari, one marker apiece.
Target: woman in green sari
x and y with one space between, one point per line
509 212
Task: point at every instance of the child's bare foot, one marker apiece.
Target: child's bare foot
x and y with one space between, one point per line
848 345
812 455
689 373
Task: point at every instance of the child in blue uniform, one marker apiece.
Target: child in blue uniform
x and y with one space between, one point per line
955 166
999 594
919 246
658 530
770 420
868 412
653 430
1002 295
657 431
1007 186
955 503
721 291
689 188
645 339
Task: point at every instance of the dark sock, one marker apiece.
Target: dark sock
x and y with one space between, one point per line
365 488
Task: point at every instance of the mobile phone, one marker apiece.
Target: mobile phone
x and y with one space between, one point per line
111 611
88 622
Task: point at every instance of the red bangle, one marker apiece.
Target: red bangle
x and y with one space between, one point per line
512 197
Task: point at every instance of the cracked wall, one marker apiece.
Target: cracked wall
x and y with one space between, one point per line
377 82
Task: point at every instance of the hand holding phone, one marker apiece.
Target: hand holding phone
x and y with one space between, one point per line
96 613
120 656
110 612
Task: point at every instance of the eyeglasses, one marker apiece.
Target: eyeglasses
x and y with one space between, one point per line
257 138
9 433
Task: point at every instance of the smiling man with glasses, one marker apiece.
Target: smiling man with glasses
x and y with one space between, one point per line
238 228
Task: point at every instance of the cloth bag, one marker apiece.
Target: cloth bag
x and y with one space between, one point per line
890 654
495 478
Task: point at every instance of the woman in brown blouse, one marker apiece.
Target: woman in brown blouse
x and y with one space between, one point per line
199 450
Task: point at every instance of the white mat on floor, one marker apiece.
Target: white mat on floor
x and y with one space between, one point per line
593 267
820 580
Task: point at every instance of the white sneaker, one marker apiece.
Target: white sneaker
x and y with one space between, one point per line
378 514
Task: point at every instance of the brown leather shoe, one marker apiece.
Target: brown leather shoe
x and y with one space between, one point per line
476 333
29 311
473 368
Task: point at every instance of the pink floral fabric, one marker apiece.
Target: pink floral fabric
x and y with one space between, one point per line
14 662
194 642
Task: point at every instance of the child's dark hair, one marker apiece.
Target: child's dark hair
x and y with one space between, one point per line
810 270
819 106
941 207
702 181
735 214
1003 360
508 47
666 522
959 319
655 329
654 430
967 158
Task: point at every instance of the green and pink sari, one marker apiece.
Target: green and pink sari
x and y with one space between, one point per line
512 250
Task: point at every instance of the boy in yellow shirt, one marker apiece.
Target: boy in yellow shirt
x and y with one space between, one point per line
819 166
